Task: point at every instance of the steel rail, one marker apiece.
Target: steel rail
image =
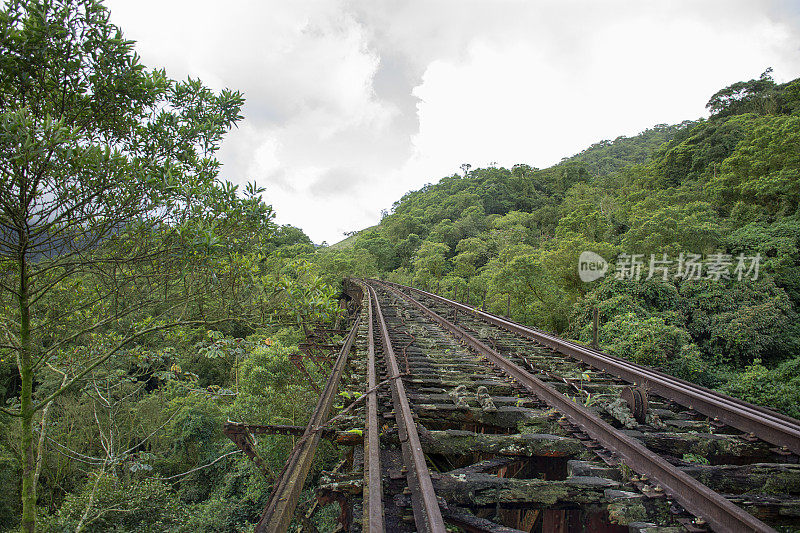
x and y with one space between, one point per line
427 515
542 336
766 424
277 515
698 499
373 487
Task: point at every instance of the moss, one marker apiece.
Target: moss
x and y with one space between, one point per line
625 512
782 483
456 442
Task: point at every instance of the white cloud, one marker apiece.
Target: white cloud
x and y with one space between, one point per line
351 103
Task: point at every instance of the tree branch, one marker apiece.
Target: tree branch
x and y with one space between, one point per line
200 467
99 361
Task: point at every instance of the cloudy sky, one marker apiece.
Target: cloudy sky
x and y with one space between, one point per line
351 103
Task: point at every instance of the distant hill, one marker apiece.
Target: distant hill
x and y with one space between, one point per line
347 242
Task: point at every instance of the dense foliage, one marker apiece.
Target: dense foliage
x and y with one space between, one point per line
144 301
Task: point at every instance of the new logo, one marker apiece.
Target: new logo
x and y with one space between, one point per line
591 266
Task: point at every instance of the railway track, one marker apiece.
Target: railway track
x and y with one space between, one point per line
767 424
470 422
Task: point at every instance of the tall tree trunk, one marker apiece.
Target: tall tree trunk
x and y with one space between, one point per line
26 400
28 457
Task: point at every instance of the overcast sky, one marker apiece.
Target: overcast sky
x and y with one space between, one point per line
352 103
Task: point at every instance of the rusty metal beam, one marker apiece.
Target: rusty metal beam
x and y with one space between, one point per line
470 523
297 361
373 487
243 438
280 508
427 515
271 429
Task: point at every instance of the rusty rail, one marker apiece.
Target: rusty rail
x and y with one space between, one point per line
721 514
766 424
427 515
373 489
282 502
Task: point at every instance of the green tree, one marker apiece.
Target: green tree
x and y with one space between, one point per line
736 322
657 228
336 264
407 247
399 226
431 260
379 247
304 293
536 297
98 157
779 247
590 212
445 232
472 254
118 505
515 227
754 96
760 179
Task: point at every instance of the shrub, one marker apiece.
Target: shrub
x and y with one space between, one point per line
778 388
